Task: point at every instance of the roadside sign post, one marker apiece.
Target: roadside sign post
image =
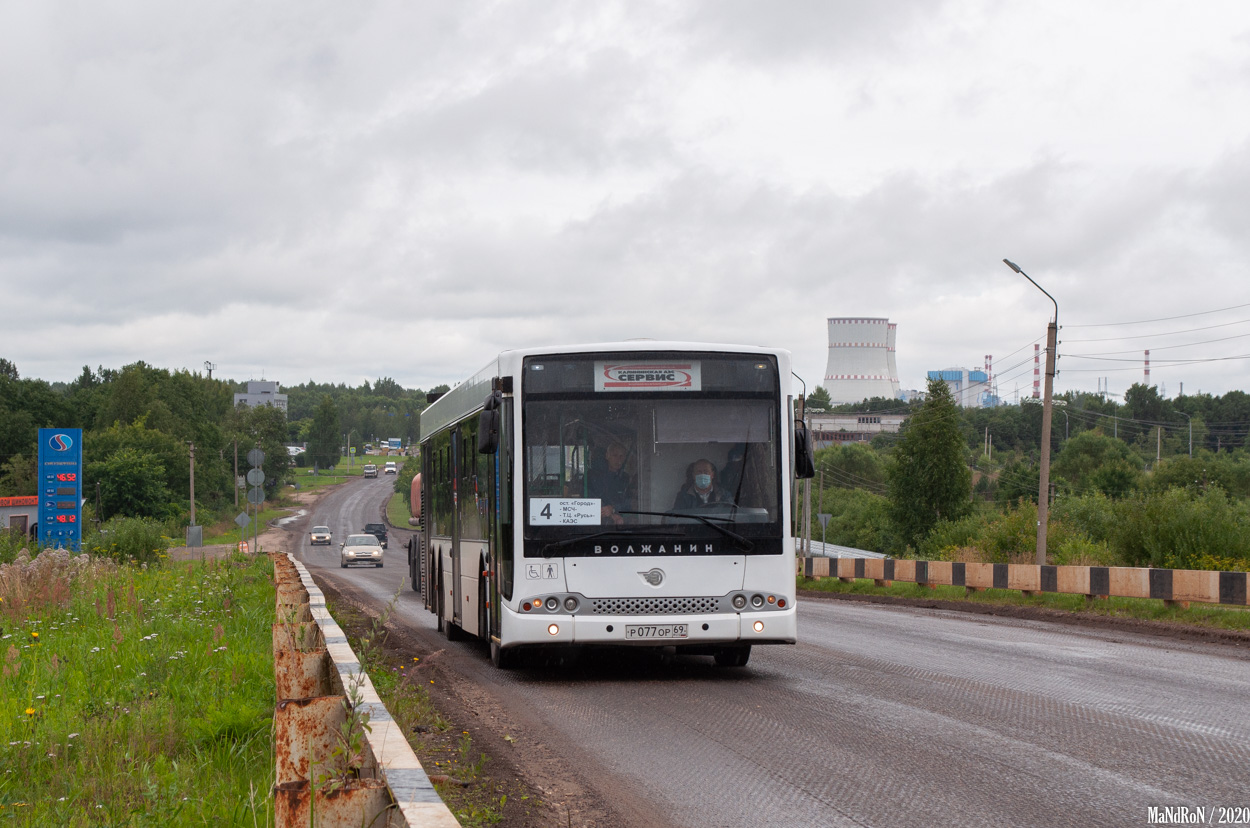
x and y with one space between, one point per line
824 524
242 521
256 494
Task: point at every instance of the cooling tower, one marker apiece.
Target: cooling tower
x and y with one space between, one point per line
861 360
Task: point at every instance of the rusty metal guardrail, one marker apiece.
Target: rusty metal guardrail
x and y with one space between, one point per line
312 656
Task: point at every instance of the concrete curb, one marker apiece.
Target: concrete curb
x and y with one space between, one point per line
408 782
1172 586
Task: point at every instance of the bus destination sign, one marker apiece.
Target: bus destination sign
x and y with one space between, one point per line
647 376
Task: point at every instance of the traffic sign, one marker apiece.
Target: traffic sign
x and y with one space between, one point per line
242 520
255 477
256 496
256 457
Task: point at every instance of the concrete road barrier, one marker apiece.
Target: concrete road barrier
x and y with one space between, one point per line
1173 586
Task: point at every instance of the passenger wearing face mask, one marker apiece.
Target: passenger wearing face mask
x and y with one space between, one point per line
701 488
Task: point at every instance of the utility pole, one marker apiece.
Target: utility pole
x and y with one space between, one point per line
1043 488
1043 501
192 445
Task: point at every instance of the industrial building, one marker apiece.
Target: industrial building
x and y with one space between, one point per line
262 392
970 388
835 429
861 360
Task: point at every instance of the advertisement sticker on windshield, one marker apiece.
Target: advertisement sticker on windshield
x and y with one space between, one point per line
647 376
564 511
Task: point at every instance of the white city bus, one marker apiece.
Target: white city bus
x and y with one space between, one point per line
631 493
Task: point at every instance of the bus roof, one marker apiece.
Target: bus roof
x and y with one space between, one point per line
470 395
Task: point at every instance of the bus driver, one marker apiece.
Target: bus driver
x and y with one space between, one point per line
611 484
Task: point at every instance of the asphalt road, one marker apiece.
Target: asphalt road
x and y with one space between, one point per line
881 716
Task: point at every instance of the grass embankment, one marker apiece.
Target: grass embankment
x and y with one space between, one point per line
1201 615
397 511
136 696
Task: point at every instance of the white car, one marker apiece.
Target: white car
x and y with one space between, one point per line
366 549
320 535
390 468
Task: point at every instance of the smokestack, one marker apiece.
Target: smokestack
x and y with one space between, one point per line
1037 371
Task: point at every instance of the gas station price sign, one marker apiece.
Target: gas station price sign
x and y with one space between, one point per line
60 487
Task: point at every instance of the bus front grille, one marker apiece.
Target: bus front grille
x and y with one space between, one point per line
654 606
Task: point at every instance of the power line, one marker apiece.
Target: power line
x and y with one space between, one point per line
1160 319
1163 347
1168 333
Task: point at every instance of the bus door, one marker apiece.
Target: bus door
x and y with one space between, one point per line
502 555
453 578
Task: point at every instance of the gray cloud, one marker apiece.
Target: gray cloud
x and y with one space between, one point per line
404 189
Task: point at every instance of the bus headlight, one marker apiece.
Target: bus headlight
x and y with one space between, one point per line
570 604
739 601
552 604
757 601
758 626
554 629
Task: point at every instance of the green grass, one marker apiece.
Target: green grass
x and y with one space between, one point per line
137 697
397 510
228 532
1203 615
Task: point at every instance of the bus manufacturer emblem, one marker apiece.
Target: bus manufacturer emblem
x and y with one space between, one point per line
653 576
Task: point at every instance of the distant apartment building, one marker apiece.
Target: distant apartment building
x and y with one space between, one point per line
262 392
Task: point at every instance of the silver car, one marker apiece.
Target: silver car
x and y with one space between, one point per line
366 549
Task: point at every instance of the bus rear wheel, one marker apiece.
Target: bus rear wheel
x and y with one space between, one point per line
451 630
504 659
733 656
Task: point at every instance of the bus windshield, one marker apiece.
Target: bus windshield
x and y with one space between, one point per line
647 459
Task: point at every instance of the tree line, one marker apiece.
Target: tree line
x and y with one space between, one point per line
139 423
962 484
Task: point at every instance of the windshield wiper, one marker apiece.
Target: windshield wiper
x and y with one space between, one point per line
707 520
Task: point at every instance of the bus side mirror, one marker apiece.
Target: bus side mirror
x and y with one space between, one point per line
804 467
488 424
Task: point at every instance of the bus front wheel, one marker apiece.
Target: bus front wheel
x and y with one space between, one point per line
733 656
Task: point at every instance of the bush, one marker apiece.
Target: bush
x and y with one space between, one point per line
952 540
1182 530
859 520
129 539
1095 515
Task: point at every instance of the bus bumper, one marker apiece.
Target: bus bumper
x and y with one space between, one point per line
775 627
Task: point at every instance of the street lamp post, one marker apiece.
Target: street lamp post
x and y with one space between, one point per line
1043 488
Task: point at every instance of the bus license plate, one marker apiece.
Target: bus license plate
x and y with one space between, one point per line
636 632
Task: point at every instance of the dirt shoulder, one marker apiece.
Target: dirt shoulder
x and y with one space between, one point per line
1162 629
540 789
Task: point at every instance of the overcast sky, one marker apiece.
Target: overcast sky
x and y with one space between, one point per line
344 191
